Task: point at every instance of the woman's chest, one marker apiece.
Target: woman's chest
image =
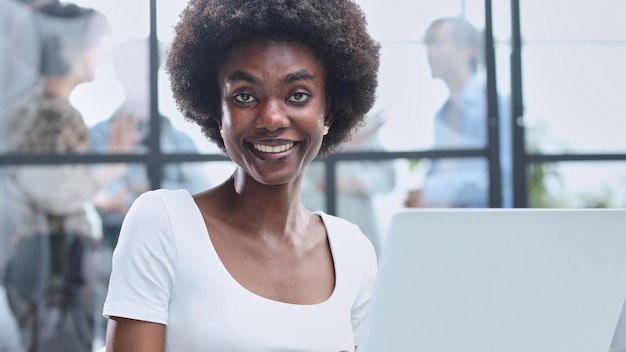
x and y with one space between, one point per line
208 311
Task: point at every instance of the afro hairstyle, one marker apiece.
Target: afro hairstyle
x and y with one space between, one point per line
335 30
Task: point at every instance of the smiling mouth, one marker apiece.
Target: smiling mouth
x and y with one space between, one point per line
273 149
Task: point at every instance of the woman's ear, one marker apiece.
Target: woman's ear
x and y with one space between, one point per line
328 116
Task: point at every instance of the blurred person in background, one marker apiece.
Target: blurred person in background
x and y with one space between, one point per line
20 59
454 50
49 284
19 72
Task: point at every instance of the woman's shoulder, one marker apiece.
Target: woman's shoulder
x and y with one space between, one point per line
161 212
344 233
164 195
336 222
162 201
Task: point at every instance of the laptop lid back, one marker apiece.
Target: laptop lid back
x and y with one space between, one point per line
499 280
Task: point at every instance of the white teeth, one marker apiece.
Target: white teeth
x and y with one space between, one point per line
272 149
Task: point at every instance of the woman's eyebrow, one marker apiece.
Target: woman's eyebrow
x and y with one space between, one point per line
243 76
289 78
298 75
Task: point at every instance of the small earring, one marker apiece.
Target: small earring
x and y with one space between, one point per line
326 129
222 133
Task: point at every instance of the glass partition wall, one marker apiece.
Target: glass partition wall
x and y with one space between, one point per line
480 104
569 80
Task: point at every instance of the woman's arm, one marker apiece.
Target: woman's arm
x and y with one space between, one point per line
134 336
142 278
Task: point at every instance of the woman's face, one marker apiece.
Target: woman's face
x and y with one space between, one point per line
274 109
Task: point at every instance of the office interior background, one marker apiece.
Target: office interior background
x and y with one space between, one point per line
561 63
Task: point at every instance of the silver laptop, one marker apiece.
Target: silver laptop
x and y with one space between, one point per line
531 280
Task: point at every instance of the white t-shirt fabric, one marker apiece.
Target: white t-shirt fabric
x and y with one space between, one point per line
166 270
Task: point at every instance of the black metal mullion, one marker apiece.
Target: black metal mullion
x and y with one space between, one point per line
545 158
520 159
58 159
331 185
417 154
493 122
154 160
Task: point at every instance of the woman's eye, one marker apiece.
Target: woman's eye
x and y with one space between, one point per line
299 97
243 98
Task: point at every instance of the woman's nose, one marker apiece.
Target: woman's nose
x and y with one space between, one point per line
272 116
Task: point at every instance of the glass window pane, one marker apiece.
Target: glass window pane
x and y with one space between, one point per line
168 12
418 65
573 75
61 50
127 128
99 99
116 196
19 62
432 88
360 186
314 192
577 185
51 237
196 176
409 96
578 20
220 171
120 123
78 66
579 112
459 183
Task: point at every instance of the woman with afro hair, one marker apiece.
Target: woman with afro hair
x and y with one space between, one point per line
244 266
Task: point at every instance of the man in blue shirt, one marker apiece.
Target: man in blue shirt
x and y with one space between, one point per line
453 48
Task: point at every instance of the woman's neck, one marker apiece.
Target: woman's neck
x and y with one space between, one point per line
276 208
59 87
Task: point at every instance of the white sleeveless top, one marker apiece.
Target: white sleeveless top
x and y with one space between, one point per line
166 270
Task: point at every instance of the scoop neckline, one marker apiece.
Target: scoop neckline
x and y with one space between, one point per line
225 273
